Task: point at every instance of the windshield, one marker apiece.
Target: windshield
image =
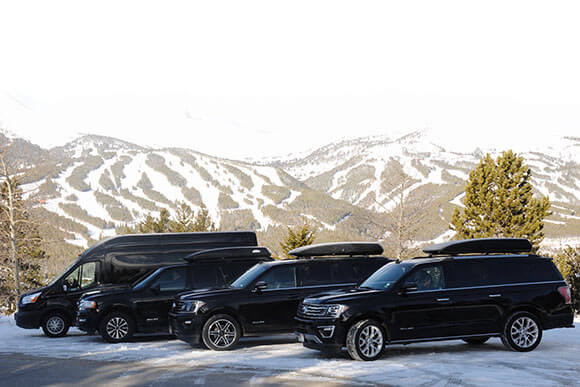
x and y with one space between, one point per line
140 284
386 276
249 276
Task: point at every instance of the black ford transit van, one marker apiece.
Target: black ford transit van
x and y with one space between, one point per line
469 290
143 308
114 262
264 299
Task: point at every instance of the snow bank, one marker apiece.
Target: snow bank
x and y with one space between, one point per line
554 362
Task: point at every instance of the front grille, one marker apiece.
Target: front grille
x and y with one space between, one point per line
309 310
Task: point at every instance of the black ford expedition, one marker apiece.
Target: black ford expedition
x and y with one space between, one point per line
264 299
470 290
143 307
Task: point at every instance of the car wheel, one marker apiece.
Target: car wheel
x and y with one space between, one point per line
365 340
476 340
221 332
55 324
116 327
522 332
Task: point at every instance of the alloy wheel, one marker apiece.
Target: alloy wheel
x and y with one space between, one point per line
55 325
117 327
370 341
524 332
222 333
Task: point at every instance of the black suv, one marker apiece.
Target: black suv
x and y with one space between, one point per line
264 299
143 307
455 293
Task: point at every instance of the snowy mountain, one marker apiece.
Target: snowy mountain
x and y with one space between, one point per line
349 189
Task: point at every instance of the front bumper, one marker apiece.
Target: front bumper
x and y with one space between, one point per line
28 319
325 335
87 320
186 327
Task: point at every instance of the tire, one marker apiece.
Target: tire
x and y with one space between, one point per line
365 340
116 327
221 332
522 332
55 324
476 340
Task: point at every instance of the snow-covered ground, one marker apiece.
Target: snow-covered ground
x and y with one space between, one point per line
553 363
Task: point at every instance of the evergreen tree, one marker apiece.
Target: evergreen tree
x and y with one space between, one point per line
186 220
202 221
499 202
299 236
21 254
568 262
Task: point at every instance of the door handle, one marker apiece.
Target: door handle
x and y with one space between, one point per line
494 295
443 299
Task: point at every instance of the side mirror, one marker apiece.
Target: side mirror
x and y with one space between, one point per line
260 285
409 287
156 288
65 287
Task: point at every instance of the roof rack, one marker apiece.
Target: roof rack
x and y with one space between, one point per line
230 253
481 246
339 248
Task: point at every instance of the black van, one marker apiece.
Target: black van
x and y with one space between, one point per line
264 299
144 307
455 293
113 262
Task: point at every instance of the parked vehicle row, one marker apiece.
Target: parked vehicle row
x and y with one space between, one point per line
211 289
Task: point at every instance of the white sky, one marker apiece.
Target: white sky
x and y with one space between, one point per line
247 78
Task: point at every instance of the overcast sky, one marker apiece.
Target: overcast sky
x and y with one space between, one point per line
247 78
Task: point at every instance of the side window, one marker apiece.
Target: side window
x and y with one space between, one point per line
88 275
427 278
281 277
343 272
315 273
232 270
171 279
72 281
461 274
207 276
82 277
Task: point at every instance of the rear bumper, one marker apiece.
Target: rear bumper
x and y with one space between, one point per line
28 319
322 335
561 319
186 327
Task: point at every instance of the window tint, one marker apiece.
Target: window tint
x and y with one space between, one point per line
315 273
232 270
364 268
171 279
280 277
427 278
207 276
500 271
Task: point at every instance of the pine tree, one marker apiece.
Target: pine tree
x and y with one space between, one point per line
499 202
186 220
20 252
568 262
203 221
299 236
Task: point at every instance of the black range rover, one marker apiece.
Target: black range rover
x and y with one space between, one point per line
264 299
456 293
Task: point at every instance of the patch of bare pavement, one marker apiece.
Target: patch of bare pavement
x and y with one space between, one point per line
24 370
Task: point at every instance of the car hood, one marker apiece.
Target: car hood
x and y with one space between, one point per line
209 293
107 290
339 296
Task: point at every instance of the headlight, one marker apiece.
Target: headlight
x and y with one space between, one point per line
85 304
193 306
336 310
30 299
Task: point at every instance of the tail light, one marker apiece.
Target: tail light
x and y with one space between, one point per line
565 292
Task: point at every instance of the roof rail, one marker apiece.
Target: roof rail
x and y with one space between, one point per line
481 246
339 248
230 253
